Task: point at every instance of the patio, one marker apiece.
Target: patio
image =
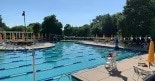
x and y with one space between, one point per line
125 72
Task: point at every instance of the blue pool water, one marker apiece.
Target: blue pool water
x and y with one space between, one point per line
56 62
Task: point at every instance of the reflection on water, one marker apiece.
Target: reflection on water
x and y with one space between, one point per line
51 55
66 44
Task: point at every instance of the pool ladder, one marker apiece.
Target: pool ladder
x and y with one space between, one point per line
63 75
58 77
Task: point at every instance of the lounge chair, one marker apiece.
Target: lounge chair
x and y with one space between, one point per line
150 78
153 64
141 73
135 72
110 65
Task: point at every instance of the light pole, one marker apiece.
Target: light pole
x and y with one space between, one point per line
23 14
33 51
24 18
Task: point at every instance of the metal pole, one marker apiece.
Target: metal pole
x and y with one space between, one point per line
24 23
34 70
25 27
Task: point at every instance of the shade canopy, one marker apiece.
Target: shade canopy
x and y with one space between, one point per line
1 37
150 57
23 36
13 37
34 37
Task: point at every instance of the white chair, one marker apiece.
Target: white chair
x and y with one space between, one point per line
141 73
150 78
110 64
135 72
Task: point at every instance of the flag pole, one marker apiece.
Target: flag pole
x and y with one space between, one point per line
33 51
24 23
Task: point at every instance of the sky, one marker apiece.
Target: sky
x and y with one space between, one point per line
74 12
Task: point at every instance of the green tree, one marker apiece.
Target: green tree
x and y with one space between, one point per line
18 28
153 29
51 25
84 31
74 31
104 25
68 30
36 27
139 14
153 22
1 21
122 28
96 26
107 26
87 30
2 25
29 28
96 31
116 18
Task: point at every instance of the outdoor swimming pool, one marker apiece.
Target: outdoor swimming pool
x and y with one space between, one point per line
51 63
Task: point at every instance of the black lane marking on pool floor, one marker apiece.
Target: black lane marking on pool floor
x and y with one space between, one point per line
16 57
39 63
27 55
1 69
30 72
59 76
36 59
29 60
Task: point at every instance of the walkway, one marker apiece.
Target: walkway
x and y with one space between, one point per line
125 67
36 46
124 73
111 45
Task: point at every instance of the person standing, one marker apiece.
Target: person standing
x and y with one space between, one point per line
116 43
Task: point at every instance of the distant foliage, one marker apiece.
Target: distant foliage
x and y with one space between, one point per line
108 26
68 30
2 25
36 27
138 17
153 29
102 25
18 28
51 26
83 31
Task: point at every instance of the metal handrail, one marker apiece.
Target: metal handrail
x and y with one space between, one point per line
68 75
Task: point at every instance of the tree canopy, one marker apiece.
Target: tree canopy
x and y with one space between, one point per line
2 24
18 28
51 25
138 16
36 27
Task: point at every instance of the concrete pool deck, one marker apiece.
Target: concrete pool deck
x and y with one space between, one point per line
112 45
36 46
125 72
99 73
